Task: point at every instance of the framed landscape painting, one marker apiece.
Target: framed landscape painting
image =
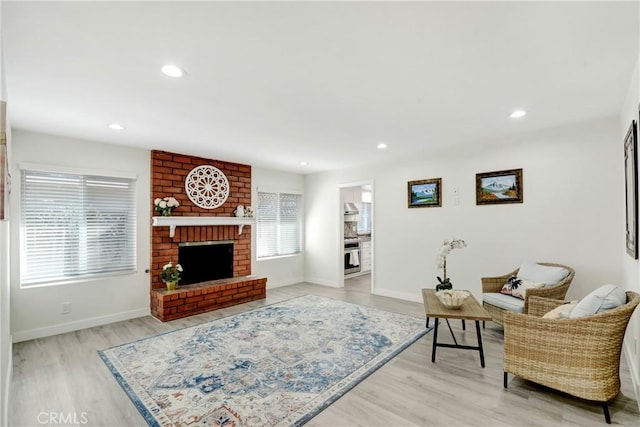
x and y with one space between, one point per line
499 187
425 193
631 187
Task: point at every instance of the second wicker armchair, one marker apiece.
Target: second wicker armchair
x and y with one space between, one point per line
497 304
579 356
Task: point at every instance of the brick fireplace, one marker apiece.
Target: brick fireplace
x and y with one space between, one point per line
168 174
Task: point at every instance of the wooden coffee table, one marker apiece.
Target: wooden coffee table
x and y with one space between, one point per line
470 310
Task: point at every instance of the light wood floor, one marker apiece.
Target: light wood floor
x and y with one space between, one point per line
64 374
358 284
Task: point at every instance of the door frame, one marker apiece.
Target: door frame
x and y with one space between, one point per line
350 184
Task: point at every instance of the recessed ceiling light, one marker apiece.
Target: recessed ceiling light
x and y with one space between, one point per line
304 163
173 71
381 146
517 114
116 126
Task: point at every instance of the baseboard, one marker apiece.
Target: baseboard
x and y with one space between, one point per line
407 296
322 282
633 371
286 283
7 387
77 325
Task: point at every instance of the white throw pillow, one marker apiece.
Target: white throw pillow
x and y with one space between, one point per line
547 274
561 312
602 299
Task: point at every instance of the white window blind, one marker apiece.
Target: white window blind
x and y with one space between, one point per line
74 226
278 224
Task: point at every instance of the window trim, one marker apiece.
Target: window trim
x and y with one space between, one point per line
300 213
37 167
83 279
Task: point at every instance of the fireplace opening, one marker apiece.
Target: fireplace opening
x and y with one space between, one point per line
203 261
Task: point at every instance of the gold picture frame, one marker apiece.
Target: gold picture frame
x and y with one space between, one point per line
493 188
424 193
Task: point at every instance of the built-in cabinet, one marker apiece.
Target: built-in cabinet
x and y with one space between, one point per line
365 256
352 195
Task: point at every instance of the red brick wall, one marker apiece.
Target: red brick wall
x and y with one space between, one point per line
168 172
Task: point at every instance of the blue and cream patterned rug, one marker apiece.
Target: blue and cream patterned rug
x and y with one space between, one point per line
277 365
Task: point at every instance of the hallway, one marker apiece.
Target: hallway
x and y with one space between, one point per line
360 284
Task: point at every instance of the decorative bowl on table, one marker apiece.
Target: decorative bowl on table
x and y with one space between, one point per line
452 299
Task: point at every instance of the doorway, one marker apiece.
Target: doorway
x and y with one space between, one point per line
357 215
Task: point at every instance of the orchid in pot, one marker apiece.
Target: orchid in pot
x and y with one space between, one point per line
171 275
447 247
165 205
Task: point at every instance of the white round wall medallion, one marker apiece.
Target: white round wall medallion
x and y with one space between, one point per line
207 186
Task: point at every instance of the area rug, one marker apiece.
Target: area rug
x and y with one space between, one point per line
276 365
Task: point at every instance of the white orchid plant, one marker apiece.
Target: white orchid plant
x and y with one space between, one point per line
165 205
170 272
447 246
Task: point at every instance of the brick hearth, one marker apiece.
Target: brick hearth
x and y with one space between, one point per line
199 298
168 173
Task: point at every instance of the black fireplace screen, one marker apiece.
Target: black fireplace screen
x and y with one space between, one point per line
203 261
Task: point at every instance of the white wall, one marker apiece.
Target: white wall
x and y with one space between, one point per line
36 311
631 267
572 210
5 307
280 271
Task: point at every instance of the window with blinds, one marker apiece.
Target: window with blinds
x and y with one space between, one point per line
364 219
279 218
75 226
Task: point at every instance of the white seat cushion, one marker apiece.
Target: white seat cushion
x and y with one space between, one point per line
505 302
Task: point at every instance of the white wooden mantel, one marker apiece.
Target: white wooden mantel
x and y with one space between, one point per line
174 221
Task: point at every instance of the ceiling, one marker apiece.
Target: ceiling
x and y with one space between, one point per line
272 84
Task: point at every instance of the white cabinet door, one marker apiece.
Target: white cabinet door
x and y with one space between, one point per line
352 195
357 197
365 255
347 195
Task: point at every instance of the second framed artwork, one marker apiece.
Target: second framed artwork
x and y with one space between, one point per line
425 193
499 187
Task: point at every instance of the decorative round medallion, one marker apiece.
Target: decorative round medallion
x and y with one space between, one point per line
207 187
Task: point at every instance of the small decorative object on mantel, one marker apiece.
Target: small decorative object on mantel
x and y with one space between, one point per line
165 205
447 247
171 275
452 299
248 212
240 211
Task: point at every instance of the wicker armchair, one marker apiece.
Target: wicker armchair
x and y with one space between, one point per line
495 284
578 356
